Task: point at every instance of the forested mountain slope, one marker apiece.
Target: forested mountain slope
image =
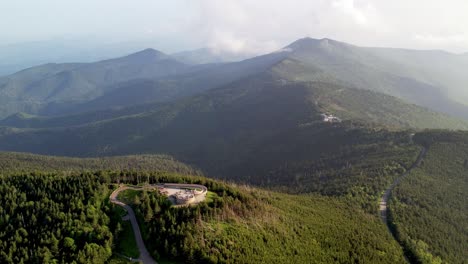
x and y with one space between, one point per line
428 78
14 162
307 100
430 198
350 104
330 229
48 87
249 130
240 224
150 76
429 208
51 218
156 78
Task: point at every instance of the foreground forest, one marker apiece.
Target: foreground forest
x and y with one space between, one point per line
52 218
320 209
236 225
265 227
26 162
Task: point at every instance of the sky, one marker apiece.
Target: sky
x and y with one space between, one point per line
241 26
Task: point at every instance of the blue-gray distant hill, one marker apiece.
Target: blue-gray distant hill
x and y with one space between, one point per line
432 79
55 86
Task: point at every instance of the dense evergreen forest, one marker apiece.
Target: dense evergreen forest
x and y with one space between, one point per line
25 162
67 217
47 218
429 208
330 215
357 163
248 225
329 159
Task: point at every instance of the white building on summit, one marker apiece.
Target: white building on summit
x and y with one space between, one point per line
185 197
330 118
183 194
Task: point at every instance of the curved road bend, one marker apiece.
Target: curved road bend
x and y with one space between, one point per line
386 195
145 257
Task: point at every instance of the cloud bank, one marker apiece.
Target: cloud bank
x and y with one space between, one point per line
265 25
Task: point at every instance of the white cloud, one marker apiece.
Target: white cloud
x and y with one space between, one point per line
226 41
267 25
347 7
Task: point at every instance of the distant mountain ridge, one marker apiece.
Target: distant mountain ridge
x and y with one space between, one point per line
416 76
432 79
251 111
34 89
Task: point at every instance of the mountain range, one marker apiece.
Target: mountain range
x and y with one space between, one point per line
151 76
256 123
150 102
333 123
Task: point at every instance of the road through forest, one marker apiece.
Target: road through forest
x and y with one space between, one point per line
386 195
145 257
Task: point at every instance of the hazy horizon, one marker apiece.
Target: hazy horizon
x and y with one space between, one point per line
52 31
238 26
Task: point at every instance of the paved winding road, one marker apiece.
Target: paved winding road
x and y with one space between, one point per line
145 257
386 195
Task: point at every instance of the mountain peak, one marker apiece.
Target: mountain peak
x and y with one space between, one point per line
149 52
311 43
148 55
